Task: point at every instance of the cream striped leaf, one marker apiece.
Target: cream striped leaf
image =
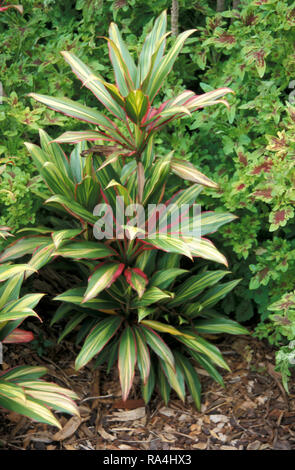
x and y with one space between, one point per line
175 378
194 285
150 46
85 250
187 171
170 244
97 339
73 109
159 346
102 278
220 325
127 361
163 328
9 270
143 355
160 73
94 83
216 293
205 249
26 406
200 345
191 378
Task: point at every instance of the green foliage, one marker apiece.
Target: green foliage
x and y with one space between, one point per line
126 304
250 149
21 390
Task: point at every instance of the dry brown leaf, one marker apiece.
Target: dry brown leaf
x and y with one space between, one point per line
45 437
254 445
105 435
200 445
219 418
167 411
68 430
128 415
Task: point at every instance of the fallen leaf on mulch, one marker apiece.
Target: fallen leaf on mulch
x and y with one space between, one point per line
105 435
128 415
68 430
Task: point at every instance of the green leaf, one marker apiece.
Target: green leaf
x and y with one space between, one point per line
191 378
157 344
102 278
148 388
169 244
151 296
94 83
123 64
200 345
212 221
54 153
205 249
22 247
73 208
143 355
58 182
41 257
137 280
23 373
143 312
71 325
163 278
9 270
136 105
154 82
74 137
84 250
97 339
162 327
188 172
127 361
220 325
153 44
73 109
194 285
76 296
207 365
175 378
60 236
25 406
164 386
217 293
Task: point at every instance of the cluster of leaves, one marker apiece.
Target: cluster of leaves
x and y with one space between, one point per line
135 301
21 389
27 33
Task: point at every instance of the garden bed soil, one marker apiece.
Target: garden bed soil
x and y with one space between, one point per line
253 411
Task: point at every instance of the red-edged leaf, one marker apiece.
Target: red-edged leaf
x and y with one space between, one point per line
19 336
127 361
137 280
104 275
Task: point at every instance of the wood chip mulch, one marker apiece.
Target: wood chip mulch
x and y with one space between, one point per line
253 412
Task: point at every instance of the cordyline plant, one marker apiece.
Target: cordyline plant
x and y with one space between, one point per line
21 389
136 303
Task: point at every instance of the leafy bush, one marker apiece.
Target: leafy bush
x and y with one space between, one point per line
132 305
21 389
249 149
